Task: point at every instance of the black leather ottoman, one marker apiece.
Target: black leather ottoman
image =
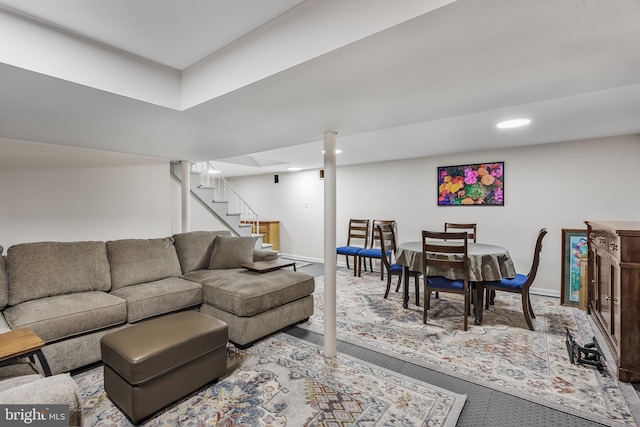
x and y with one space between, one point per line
156 362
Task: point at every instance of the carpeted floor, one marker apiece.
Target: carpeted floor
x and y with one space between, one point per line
285 381
488 403
484 407
502 354
299 264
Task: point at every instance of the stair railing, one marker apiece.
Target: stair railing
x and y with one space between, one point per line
211 178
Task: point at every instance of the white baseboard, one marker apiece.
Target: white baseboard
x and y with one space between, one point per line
544 292
301 258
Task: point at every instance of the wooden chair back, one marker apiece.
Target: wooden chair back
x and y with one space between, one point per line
471 229
433 246
387 240
508 285
358 232
437 248
536 259
388 247
375 232
370 253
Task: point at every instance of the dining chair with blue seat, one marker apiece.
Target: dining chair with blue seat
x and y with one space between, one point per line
520 284
387 236
357 240
445 267
470 228
374 251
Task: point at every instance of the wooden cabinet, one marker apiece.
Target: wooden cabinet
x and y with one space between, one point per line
270 231
614 291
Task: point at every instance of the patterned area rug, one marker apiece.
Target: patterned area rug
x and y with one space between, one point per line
502 353
284 381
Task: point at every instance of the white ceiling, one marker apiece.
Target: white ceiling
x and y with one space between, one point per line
421 81
174 33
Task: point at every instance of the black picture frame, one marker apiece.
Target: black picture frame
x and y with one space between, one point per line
476 184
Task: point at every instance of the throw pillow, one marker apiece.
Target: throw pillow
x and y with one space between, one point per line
194 249
231 252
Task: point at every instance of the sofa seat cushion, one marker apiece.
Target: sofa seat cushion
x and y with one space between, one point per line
64 316
246 293
159 297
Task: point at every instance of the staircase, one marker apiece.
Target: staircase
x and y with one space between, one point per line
209 188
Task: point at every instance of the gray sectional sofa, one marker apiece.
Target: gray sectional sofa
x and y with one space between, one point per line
73 293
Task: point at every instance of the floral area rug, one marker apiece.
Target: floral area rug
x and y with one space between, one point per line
285 381
502 353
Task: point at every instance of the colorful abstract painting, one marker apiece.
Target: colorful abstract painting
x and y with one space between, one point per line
476 184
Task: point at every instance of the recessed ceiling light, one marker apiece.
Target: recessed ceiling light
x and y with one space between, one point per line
295 169
337 151
508 124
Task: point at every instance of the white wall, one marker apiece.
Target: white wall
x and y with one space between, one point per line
297 202
554 186
68 194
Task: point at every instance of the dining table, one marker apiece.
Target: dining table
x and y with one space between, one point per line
486 263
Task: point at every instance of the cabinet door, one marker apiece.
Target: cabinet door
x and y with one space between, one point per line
615 305
594 301
603 289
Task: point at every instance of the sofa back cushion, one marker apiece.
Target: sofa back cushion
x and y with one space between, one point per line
4 281
136 261
194 248
42 269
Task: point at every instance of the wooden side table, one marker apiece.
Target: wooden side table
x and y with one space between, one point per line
22 343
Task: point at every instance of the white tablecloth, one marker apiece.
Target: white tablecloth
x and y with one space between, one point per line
486 262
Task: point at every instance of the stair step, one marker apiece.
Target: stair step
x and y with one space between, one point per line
207 190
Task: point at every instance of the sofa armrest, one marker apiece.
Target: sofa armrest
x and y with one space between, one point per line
4 326
264 255
35 390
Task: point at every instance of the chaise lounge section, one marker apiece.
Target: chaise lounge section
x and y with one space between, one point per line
252 304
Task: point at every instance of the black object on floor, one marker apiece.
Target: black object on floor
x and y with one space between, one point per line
589 354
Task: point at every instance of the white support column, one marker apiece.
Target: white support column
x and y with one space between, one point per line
186 195
330 343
